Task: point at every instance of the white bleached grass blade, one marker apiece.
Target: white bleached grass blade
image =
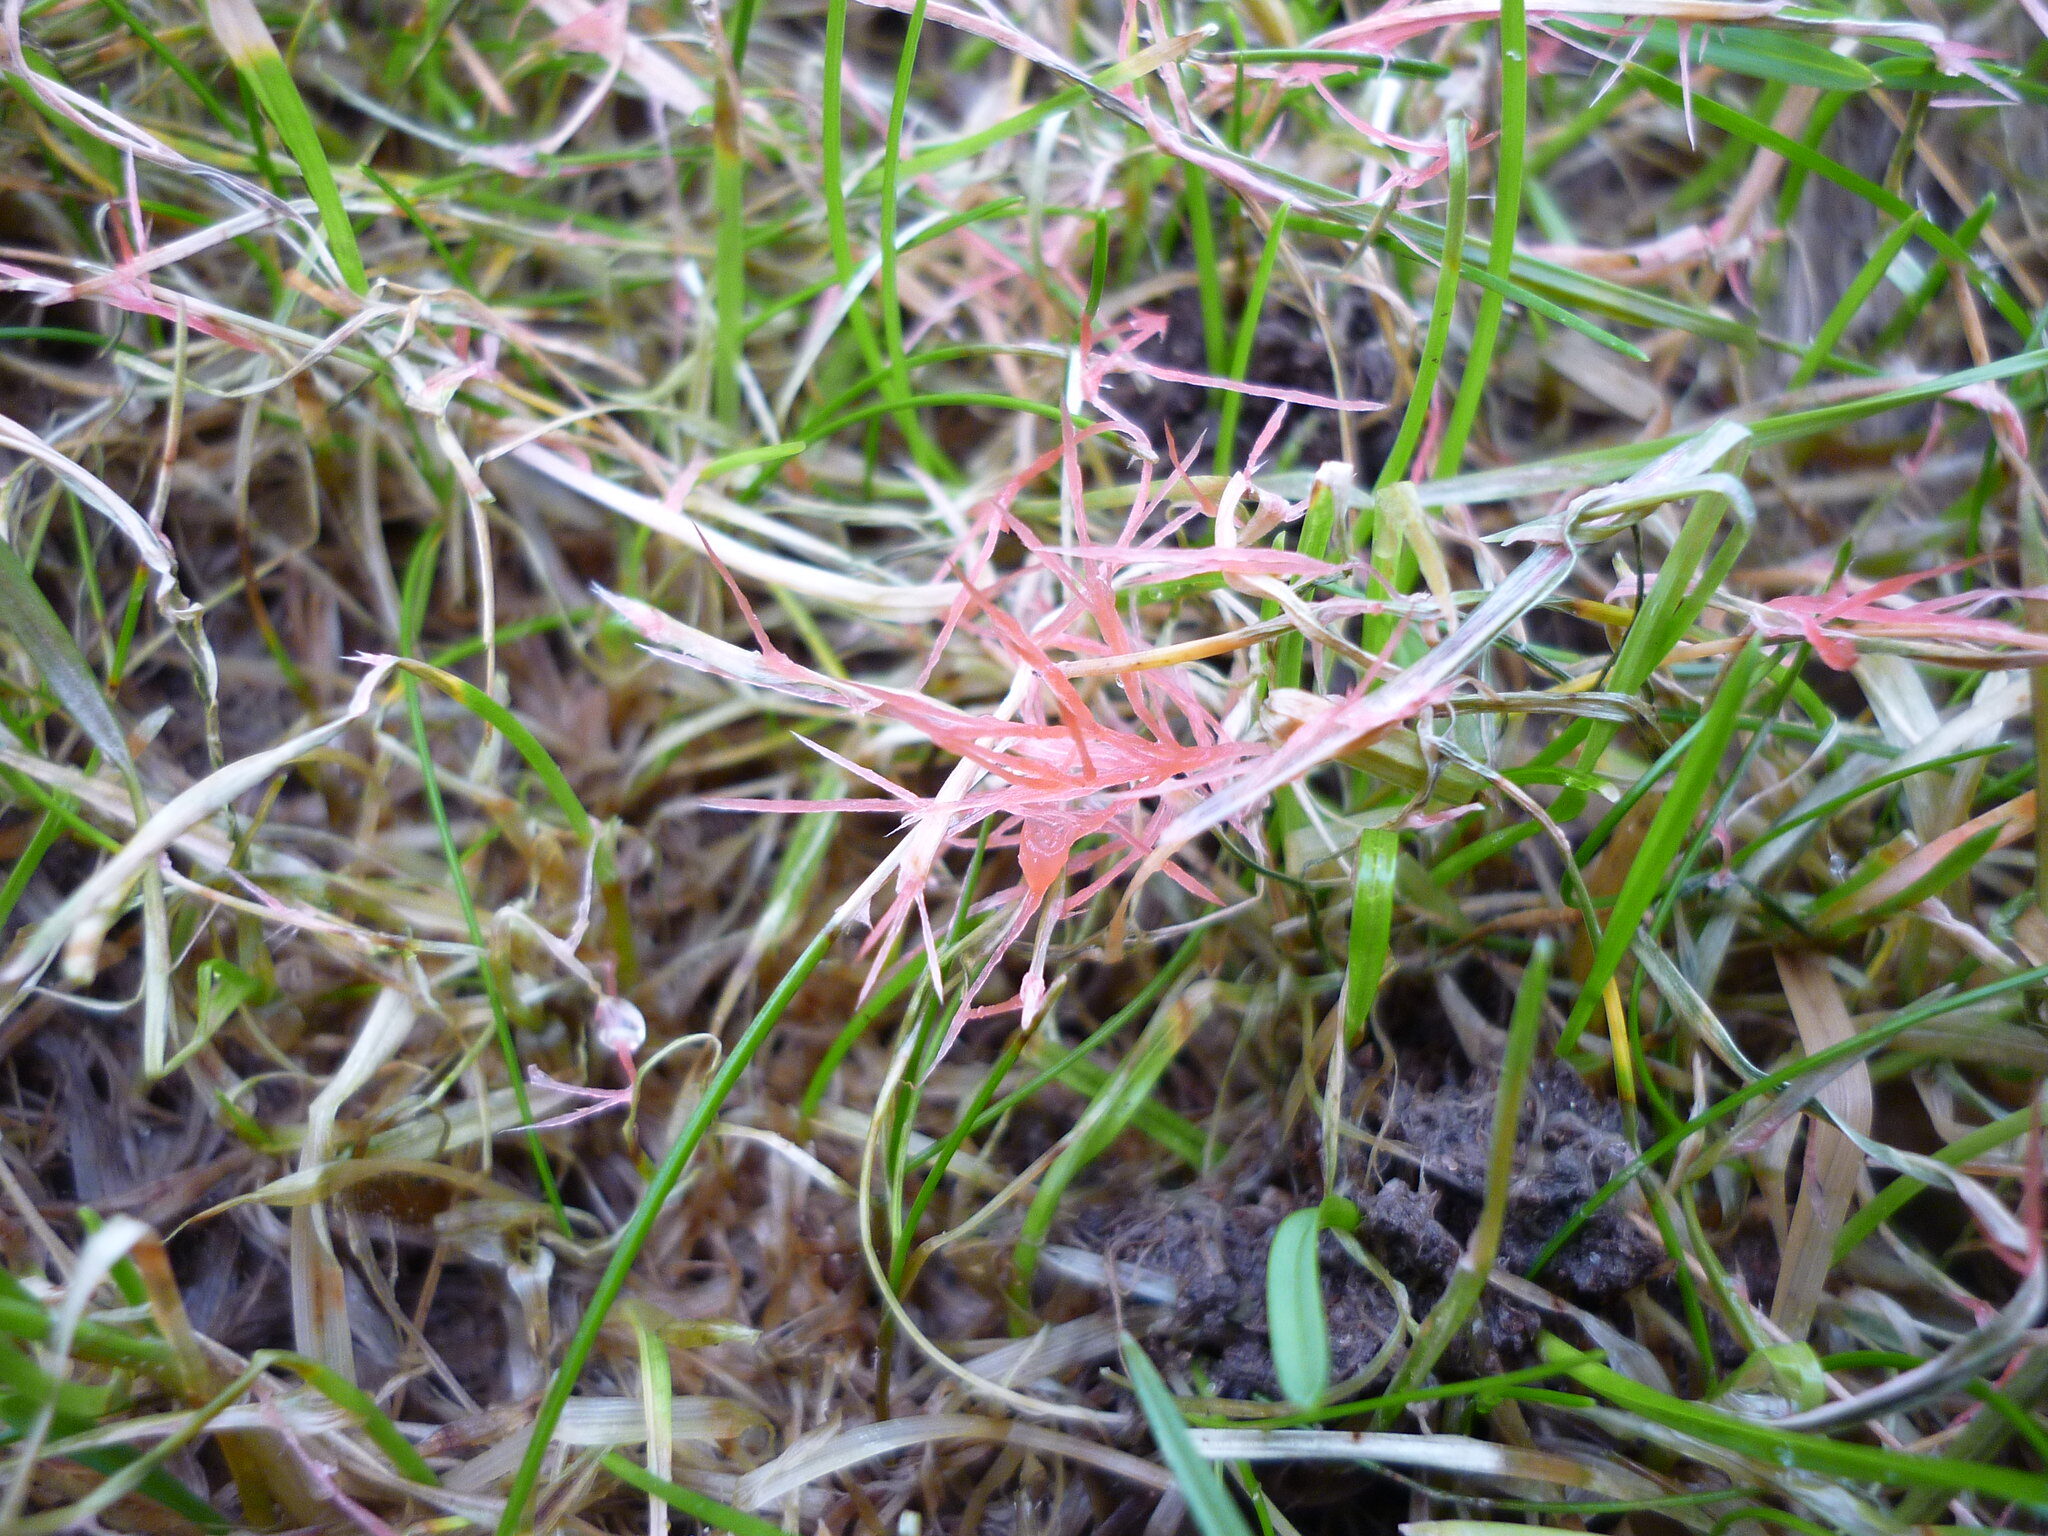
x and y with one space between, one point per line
1438 1453
80 922
319 1290
831 1451
907 603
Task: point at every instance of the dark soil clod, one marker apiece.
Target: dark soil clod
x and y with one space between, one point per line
1419 1186
1568 1145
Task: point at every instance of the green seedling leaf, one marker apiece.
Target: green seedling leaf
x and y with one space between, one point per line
247 42
1215 1512
251 1131
1296 1326
223 987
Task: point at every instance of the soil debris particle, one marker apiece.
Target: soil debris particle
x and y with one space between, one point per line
1568 1145
1419 1188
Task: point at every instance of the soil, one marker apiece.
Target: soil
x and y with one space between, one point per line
1418 1189
1288 350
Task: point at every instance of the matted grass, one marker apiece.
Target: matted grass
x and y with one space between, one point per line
1023 768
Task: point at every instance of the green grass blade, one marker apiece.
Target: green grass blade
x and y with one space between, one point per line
352 1399
28 616
1461 1295
700 1507
1437 340
1766 55
927 452
1372 923
1201 1485
501 1014
1812 1453
1729 120
1853 299
729 248
1500 251
148 37
1967 234
640 1225
1866 1041
1124 1093
1064 1064
1668 831
1208 276
1241 348
514 730
255 59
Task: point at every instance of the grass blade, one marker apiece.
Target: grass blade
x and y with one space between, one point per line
1671 828
1513 55
633 1236
257 63
1214 1510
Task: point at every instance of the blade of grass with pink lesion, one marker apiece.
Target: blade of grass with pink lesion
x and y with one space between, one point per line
1833 621
1067 767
